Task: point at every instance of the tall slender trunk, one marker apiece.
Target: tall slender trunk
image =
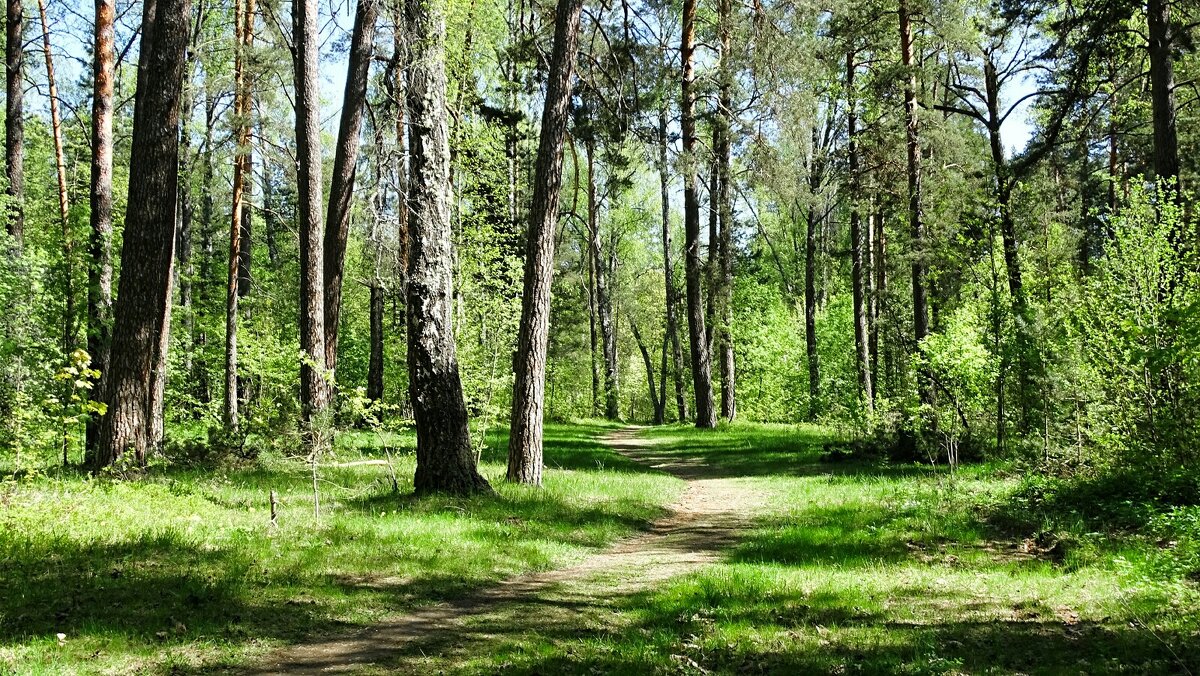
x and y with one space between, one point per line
724 274
207 260
445 460
243 40
1162 89
669 269
14 121
701 364
815 176
314 393
345 160
594 358
877 274
608 338
64 208
859 251
654 400
916 217
714 247
100 271
142 307
525 438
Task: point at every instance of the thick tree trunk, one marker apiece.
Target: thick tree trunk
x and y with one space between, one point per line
14 121
1162 89
608 337
669 270
345 160
859 251
697 333
314 392
64 208
445 460
525 438
100 271
142 308
916 217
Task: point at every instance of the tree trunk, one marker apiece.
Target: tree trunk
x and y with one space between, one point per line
608 337
815 170
345 160
445 460
525 439
1162 89
314 393
375 366
243 41
64 209
916 215
877 273
724 274
142 307
697 338
669 269
14 121
654 400
100 270
859 253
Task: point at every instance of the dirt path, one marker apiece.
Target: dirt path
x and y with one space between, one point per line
709 517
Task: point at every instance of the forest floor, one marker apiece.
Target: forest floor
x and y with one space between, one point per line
668 550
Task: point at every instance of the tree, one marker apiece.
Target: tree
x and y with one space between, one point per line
141 309
724 150
697 338
244 13
314 392
445 460
14 120
859 251
669 269
529 367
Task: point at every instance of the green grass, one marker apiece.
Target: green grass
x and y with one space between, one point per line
869 568
181 569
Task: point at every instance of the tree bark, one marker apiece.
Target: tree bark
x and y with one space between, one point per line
815 176
64 208
100 271
345 161
669 270
1162 89
243 41
14 122
445 460
141 310
525 438
314 393
697 333
608 337
859 253
724 273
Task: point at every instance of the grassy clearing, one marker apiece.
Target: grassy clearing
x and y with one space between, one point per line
879 569
181 569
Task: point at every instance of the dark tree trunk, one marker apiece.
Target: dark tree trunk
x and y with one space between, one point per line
916 217
593 333
859 252
878 276
445 461
375 366
815 170
142 308
525 439
14 122
345 160
697 334
724 274
654 400
1162 89
243 41
314 393
669 270
207 260
100 270
608 333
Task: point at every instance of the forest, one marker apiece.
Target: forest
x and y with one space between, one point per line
600 336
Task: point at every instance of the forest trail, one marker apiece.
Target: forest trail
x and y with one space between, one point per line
710 516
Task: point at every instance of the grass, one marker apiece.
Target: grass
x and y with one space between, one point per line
181 569
869 568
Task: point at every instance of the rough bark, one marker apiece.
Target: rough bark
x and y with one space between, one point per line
100 271
375 364
314 393
701 364
859 251
345 161
608 333
525 439
243 42
916 218
815 171
141 310
14 121
669 270
724 273
1162 89
64 208
445 460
